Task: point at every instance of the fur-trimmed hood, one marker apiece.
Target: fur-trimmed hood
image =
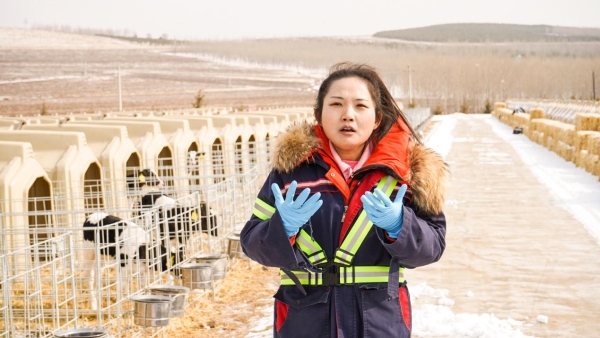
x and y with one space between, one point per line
427 173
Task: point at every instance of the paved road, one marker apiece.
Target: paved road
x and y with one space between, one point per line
511 240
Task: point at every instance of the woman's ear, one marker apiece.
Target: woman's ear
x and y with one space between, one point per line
378 120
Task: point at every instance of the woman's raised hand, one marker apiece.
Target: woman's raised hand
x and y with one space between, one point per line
295 213
383 212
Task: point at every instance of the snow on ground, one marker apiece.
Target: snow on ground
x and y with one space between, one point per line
572 188
317 74
20 38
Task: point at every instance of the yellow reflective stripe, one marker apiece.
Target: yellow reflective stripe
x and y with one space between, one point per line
311 248
345 253
262 209
348 275
305 278
361 227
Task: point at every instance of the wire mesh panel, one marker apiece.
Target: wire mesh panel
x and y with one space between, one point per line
40 297
5 314
26 223
185 223
103 263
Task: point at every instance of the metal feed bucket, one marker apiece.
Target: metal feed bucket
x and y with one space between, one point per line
234 248
178 293
197 275
218 262
151 310
82 333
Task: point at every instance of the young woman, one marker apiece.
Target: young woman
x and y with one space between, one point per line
352 201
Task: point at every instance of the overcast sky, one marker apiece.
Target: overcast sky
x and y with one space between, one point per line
218 19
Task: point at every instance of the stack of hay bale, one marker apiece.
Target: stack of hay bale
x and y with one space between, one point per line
579 143
587 142
508 116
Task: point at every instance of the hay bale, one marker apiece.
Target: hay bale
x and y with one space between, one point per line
498 105
566 151
559 131
581 139
504 115
520 120
587 121
536 125
566 133
536 113
593 143
591 163
580 158
549 143
537 136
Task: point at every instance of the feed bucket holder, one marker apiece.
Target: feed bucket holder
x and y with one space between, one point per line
82 333
218 262
197 275
178 293
151 310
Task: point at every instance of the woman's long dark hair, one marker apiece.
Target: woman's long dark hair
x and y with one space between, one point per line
385 105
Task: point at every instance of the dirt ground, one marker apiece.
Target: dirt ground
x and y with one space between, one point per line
234 310
75 74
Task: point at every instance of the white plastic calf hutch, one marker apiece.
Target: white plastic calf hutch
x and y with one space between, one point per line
182 141
151 143
211 165
116 153
53 120
32 254
298 113
75 172
10 124
265 129
232 138
236 132
25 198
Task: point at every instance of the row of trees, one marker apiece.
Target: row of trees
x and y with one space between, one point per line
493 32
447 77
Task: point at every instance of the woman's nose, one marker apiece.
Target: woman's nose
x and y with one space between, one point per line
348 115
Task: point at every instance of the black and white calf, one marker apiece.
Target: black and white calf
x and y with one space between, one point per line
123 240
179 222
142 182
206 221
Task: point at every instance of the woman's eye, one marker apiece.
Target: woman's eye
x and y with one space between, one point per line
336 104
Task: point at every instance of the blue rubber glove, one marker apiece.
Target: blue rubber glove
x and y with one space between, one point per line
383 212
295 214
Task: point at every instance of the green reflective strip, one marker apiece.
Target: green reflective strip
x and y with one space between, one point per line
311 248
361 227
305 278
348 275
262 209
345 253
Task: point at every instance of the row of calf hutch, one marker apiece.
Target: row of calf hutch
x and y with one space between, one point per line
56 172
577 141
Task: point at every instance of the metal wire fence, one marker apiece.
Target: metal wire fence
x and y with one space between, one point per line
54 279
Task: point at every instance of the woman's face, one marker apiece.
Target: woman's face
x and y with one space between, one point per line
349 116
